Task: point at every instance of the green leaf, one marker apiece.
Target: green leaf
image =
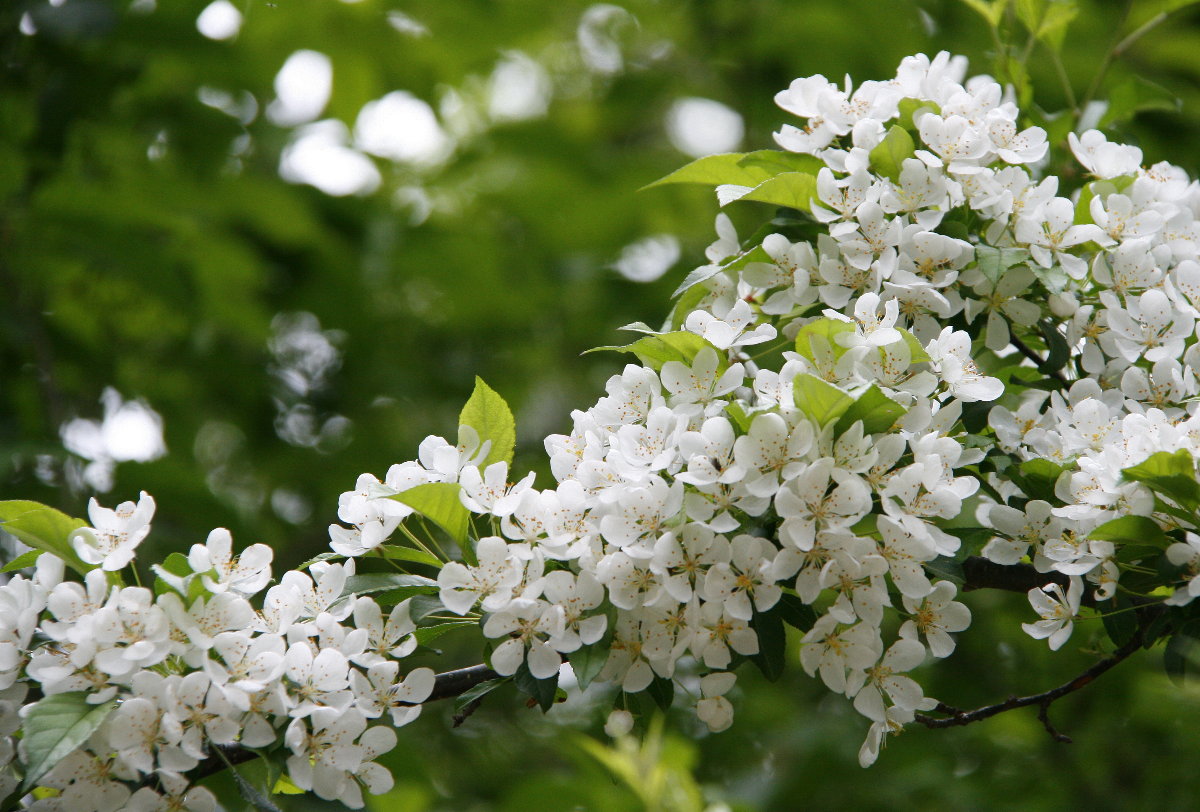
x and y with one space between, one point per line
586 662
489 415
888 156
706 272
541 691
1037 478
794 190
772 644
714 170
1059 351
948 569
54 727
1135 95
991 11
821 401
1132 529
739 168
1120 623
795 612
1169 474
26 559
823 332
737 413
656 350
422 607
252 794
427 634
1047 20
389 582
909 108
393 552
1182 652
43 528
876 410
439 502
317 559
993 262
916 349
662 691
478 692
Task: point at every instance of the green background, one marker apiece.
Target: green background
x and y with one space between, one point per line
147 242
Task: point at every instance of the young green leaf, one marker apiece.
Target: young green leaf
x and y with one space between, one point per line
54 726
439 502
656 350
793 190
888 156
43 528
489 415
876 410
821 401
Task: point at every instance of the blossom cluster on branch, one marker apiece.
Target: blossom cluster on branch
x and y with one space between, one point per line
936 351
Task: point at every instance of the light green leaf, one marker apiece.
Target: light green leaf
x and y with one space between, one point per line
1169 474
656 350
43 528
993 262
439 502
739 168
821 401
394 552
26 559
54 727
794 190
489 415
1132 529
888 157
915 348
992 11
876 410
823 329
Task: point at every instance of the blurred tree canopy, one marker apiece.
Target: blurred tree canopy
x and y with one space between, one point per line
157 236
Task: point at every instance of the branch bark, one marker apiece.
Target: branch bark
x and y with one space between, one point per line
956 717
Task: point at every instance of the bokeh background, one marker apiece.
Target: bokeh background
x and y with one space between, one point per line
250 249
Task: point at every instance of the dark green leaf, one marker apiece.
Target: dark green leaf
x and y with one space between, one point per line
389 582
478 692
662 691
772 644
795 612
393 552
1037 478
541 691
587 661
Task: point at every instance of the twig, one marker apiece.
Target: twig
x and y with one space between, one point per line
956 717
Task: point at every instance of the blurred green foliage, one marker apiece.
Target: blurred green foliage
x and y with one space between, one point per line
148 243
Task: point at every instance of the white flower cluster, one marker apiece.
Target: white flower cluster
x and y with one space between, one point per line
196 667
807 440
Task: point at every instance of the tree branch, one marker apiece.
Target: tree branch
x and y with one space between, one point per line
979 573
446 685
956 717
